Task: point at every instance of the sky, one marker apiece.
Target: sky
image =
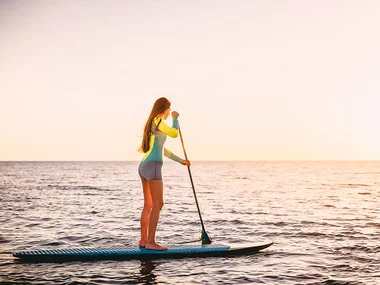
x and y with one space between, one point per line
251 80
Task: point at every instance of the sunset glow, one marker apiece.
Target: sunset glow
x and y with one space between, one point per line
252 80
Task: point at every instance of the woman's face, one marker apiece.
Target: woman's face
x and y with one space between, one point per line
166 114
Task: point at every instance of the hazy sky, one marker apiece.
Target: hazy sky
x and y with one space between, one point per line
252 80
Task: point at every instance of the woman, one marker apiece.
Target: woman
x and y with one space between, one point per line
152 145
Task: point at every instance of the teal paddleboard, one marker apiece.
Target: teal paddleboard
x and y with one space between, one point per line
124 253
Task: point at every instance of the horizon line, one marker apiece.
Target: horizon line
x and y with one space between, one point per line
227 160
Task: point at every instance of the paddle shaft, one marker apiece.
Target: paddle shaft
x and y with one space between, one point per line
205 237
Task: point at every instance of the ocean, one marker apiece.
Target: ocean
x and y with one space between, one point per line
324 219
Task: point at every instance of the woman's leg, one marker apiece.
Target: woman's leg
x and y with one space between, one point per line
144 221
157 193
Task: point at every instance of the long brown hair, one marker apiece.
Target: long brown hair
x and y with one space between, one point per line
159 107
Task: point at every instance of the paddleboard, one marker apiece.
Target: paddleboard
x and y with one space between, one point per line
122 253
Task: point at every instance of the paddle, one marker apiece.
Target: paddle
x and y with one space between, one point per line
205 238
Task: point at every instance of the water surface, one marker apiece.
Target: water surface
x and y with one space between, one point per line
323 217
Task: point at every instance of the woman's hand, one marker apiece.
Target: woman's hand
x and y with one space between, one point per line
186 162
175 114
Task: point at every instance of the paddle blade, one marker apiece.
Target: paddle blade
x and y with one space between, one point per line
205 238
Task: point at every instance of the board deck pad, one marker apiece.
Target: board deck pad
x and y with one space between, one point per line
174 251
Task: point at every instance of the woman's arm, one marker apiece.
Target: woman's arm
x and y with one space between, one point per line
170 131
172 156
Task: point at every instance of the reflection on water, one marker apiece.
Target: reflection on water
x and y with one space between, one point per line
147 275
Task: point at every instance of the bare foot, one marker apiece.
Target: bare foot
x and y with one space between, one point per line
143 243
155 246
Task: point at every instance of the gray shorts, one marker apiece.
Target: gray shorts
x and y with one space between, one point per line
150 170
